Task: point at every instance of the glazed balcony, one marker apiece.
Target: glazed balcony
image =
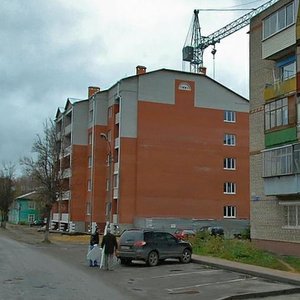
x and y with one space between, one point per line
282 185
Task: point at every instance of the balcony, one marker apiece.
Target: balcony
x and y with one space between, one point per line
65 195
68 129
65 218
67 150
66 173
280 89
116 193
116 168
282 185
55 217
117 119
117 143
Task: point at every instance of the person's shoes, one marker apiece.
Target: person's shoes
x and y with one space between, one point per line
96 265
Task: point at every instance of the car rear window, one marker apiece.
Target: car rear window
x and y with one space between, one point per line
131 236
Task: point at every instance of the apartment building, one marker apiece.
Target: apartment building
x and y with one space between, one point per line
274 128
161 144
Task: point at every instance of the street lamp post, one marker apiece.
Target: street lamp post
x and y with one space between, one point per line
108 208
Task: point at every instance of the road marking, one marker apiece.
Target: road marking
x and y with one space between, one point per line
180 289
184 274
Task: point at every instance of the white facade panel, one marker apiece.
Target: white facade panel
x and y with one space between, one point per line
279 41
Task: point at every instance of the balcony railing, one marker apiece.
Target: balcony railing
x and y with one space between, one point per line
116 193
68 129
65 195
64 217
117 143
116 168
281 88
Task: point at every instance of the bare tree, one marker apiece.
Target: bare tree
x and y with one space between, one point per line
44 168
6 191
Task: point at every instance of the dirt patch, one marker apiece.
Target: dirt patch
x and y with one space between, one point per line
32 235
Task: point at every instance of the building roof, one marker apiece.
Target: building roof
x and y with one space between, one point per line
30 195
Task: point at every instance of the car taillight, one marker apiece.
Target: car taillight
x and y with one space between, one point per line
139 244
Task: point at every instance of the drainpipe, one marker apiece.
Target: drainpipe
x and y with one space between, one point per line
119 152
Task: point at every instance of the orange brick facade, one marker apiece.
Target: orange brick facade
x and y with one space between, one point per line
167 152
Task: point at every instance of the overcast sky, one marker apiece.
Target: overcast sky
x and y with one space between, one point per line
52 50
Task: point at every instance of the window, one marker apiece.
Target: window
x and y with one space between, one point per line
288 71
229 163
229 188
31 205
292 216
30 218
229 212
90 138
278 161
88 208
110 112
229 116
90 161
91 115
279 20
229 139
89 185
276 113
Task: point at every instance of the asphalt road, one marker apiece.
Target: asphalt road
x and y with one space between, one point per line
32 270
28 272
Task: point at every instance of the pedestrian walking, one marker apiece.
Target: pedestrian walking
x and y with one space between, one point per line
94 241
109 245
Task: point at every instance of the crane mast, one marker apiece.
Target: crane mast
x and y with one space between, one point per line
195 44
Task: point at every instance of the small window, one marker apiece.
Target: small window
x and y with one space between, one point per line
184 86
229 139
229 188
90 138
229 116
229 163
30 218
89 185
110 112
91 115
229 211
90 162
31 205
88 208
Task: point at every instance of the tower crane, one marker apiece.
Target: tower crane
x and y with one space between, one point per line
195 43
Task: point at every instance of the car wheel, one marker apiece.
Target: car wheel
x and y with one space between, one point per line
186 256
152 259
125 261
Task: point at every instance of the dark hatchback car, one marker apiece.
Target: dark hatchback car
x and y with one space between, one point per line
152 246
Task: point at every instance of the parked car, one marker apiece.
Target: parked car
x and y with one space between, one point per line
213 230
152 246
184 234
37 223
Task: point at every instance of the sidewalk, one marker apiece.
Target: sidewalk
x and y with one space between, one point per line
277 275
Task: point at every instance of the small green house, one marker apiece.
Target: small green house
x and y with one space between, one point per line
25 209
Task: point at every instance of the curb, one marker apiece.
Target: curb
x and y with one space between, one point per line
271 274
